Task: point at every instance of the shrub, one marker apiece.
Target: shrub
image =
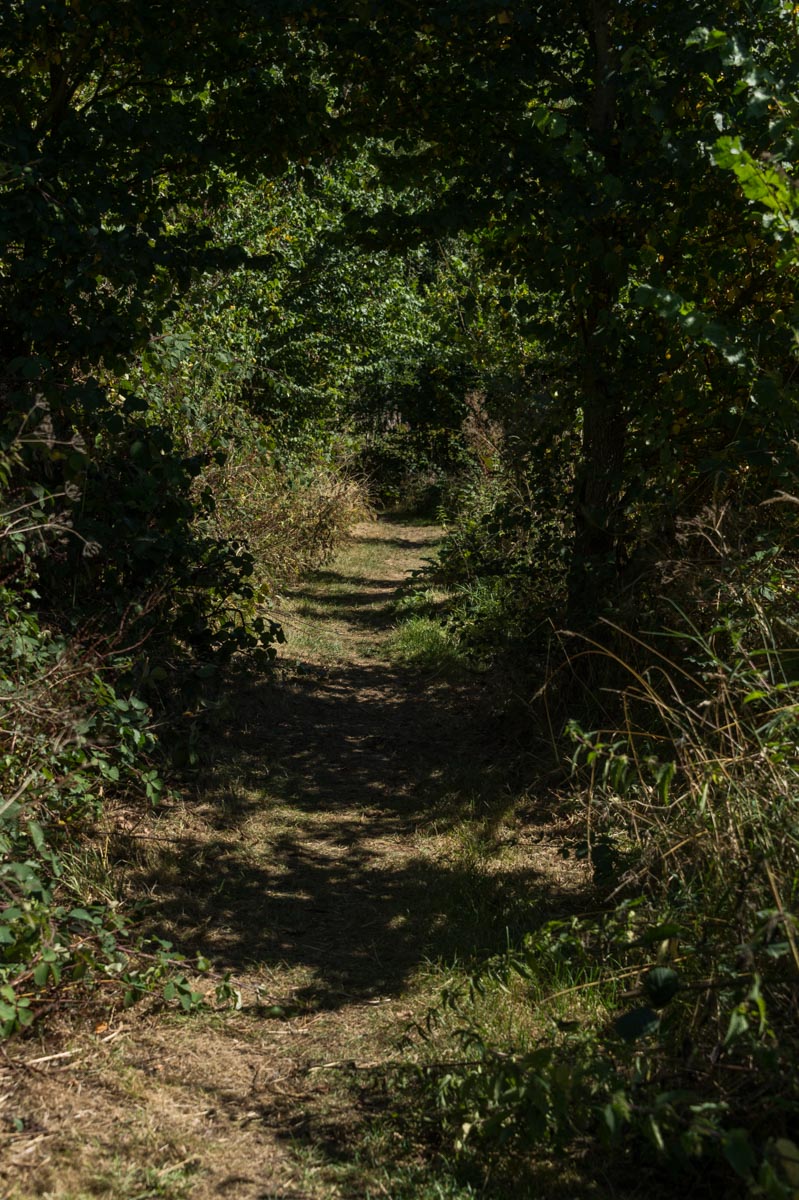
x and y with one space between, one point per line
292 516
74 734
682 1057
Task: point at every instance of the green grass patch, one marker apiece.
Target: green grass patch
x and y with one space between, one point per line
424 643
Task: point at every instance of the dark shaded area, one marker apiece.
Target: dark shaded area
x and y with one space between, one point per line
399 543
371 759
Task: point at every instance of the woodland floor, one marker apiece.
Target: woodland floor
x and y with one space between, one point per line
350 836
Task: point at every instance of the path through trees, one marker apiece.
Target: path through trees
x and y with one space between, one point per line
324 863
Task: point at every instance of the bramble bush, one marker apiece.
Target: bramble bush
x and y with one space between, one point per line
76 733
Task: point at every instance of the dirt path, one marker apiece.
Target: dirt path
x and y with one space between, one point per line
321 864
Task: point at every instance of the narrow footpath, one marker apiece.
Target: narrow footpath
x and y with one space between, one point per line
322 864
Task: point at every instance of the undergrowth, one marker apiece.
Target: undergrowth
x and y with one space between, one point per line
422 642
292 516
656 1034
100 714
70 737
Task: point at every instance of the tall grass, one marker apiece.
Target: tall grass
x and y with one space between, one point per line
681 981
703 774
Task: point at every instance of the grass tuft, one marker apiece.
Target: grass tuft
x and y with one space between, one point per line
424 643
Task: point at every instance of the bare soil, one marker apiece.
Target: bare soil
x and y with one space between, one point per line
326 860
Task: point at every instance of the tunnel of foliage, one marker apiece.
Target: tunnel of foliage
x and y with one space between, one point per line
267 265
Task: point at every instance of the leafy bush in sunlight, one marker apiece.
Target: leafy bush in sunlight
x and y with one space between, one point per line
291 516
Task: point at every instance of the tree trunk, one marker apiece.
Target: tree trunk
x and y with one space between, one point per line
593 570
593 574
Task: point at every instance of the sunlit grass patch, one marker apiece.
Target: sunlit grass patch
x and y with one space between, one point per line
425 602
425 643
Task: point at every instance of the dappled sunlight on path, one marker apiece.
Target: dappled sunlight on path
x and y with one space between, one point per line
321 855
345 843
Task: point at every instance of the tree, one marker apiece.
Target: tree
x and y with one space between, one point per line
119 123
575 144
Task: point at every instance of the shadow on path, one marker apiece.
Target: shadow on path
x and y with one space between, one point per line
307 855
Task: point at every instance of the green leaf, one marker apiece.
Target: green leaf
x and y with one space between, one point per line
80 914
661 985
739 1153
737 1027
617 1113
787 1154
708 39
640 1022
656 1134
659 933
36 834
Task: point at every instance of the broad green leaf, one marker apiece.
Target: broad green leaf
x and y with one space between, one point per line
639 1023
661 985
739 1152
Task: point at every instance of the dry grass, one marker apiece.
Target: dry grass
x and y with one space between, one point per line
291 522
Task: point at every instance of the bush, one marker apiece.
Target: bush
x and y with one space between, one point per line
292 516
662 1031
69 740
508 531
75 733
